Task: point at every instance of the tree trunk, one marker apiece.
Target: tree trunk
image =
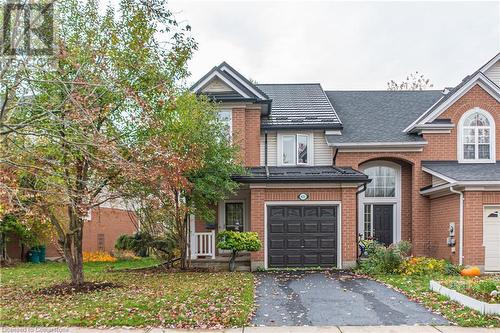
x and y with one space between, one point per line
73 252
232 261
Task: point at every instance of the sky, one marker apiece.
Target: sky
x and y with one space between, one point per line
342 45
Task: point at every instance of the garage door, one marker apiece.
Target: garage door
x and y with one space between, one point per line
492 239
302 236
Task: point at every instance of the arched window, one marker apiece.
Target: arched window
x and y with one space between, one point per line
383 184
476 137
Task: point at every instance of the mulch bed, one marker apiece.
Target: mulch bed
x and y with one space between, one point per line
69 288
163 269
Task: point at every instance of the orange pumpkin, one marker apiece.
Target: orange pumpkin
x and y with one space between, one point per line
471 271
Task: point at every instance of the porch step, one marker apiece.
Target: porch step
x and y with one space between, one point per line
221 263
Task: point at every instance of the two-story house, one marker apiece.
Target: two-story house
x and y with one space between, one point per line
325 167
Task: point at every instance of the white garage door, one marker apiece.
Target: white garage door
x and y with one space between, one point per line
492 238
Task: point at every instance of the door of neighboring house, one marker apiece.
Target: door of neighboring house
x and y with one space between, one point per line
383 223
491 238
302 236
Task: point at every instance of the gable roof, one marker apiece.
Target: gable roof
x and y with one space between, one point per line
477 78
299 106
241 89
379 116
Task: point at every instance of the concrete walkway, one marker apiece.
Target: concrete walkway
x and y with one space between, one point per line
274 329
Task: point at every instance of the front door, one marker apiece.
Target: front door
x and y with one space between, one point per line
383 223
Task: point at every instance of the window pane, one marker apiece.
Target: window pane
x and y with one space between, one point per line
234 216
483 151
483 135
469 152
368 222
302 149
225 119
383 182
481 120
469 135
288 149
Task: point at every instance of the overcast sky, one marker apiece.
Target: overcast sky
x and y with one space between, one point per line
343 46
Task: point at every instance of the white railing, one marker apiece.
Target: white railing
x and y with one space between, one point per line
203 244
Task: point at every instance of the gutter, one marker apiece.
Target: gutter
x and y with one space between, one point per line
265 154
461 226
335 156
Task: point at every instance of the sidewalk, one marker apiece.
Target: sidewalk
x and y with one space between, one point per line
283 329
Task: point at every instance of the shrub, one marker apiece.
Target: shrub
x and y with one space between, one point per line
98 256
451 269
236 242
384 260
141 242
422 266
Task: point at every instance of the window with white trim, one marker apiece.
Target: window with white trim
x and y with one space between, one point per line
294 149
226 118
477 137
383 184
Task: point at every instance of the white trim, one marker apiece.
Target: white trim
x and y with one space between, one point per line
490 63
233 74
381 150
460 143
221 77
378 144
396 200
333 132
307 203
479 79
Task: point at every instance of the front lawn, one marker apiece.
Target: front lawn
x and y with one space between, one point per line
143 299
417 288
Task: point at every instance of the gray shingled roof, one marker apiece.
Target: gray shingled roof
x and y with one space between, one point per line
379 116
299 106
465 171
302 174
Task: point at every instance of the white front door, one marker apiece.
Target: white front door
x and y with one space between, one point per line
492 238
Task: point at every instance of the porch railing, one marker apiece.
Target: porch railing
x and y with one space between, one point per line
203 244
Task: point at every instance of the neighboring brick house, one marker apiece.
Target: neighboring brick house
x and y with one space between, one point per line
100 231
327 166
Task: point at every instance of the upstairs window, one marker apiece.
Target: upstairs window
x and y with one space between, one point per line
477 137
383 184
294 149
226 118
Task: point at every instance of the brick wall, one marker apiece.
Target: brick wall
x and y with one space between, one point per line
258 197
444 210
246 134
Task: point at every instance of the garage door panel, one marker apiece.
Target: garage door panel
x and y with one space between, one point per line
327 227
311 243
302 236
293 227
294 212
277 227
311 211
277 244
310 226
294 243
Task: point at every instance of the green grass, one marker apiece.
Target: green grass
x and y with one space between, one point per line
153 299
417 288
479 287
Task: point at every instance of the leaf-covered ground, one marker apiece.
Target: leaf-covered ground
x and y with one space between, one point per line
186 299
480 287
417 288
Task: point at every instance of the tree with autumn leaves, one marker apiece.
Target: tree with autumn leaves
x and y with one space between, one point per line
107 117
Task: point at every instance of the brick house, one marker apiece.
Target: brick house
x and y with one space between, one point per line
327 167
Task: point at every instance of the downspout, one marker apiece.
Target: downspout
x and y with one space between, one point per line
265 154
461 226
358 192
335 157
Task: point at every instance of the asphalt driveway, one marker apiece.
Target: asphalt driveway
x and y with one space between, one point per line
332 298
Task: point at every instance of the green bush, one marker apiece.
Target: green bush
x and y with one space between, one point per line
142 242
384 260
237 242
451 269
